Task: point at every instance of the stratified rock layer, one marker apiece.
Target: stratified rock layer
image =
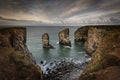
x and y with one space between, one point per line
45 41
104 42
16 62
64 37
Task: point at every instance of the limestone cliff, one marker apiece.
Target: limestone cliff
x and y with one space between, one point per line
64 37
45 41
15 38
104 44
81 34
16 62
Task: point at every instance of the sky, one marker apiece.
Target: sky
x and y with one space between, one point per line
59 12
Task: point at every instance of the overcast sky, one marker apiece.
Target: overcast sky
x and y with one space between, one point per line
59 12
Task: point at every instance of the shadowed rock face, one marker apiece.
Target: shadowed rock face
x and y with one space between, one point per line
64 37
15 38
81 34
104 42
45 41
15 59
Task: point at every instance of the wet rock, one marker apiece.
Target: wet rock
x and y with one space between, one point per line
105 60
45 41
81 34
64 70
64 37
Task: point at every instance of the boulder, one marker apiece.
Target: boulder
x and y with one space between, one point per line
64 37
104 42
45 41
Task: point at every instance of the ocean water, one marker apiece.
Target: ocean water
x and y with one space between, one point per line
34 42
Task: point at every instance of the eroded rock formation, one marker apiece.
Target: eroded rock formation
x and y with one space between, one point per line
104 44
81 34
64 37
45 41
15 38
16 62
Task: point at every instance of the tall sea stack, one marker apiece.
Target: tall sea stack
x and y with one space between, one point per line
45 41
64 37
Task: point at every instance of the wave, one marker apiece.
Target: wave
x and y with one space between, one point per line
68 47
57 42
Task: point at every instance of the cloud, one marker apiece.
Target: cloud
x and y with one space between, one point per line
61 11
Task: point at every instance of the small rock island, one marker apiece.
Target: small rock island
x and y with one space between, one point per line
45 41
64 37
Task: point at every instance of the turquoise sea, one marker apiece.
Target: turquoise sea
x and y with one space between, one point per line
34 43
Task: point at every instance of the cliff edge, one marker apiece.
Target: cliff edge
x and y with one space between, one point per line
103 44
15 59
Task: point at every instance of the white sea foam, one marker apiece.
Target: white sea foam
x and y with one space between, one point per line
57 42
68 47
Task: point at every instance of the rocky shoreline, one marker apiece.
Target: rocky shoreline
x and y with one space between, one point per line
66 69
102 43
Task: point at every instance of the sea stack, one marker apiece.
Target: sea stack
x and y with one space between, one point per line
64 37
45 41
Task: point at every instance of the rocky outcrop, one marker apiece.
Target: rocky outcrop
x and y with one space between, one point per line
104 42
45 41
95 35
15 38
81 34
14 65
15 59
64 37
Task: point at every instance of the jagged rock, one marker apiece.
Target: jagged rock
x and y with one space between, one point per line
64 37
16 61
15 38
45 41
81 34
105 60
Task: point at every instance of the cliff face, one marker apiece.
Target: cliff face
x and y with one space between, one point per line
14 37
104 44
64 37
15 59
81 34
95 35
